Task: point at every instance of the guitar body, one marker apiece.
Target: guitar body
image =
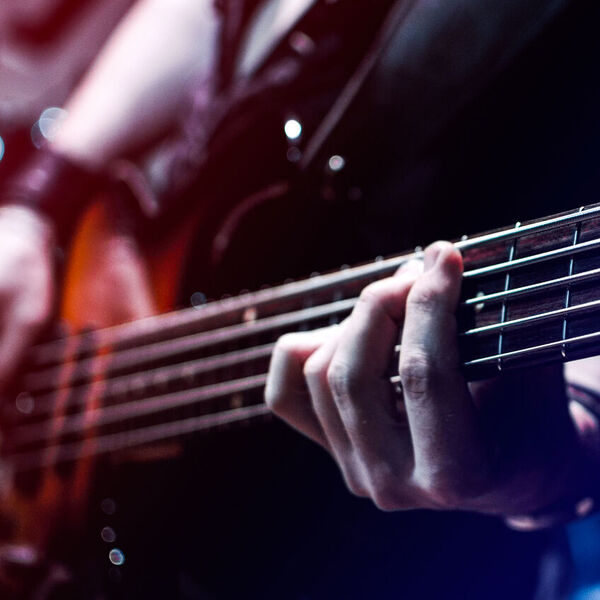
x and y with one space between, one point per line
107 281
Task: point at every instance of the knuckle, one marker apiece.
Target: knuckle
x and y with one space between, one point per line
372 295
274 398
286 346
344 382
385 490
315 369
424 295
449 490
442 491
355 487
353 481
417 374
387 499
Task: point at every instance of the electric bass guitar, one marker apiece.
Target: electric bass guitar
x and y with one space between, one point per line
531 295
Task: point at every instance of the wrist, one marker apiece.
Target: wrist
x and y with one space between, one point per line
54 188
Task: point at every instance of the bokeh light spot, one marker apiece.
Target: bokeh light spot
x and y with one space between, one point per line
116 557
293 129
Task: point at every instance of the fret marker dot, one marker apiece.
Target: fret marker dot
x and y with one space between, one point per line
237 401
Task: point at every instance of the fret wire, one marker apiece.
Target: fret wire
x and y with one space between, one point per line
48 352
576 234
511 255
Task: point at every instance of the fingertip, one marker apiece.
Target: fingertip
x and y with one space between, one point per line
444 256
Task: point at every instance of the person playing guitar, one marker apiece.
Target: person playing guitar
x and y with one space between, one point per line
430 441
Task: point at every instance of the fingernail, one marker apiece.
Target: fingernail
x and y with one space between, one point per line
432 254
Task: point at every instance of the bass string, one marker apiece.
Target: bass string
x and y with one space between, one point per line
177 400
136 358
526 351
185 320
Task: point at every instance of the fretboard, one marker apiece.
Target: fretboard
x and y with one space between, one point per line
531 295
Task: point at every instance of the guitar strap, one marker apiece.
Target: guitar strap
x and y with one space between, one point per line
317 69
392 21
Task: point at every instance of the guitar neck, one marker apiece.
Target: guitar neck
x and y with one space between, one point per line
531 294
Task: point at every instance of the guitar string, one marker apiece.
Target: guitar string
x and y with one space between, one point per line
135 357
157 378
534 288
524 350
537 318
88 367
107 415
140 408
130 332
128 383
106 443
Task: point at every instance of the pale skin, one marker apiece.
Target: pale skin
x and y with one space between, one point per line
441 448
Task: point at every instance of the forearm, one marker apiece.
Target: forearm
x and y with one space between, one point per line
138 80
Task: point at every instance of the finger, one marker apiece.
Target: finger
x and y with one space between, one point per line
286 392
359 380
316 371
450 461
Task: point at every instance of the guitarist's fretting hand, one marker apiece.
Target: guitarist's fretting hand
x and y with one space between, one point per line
506 447
26 283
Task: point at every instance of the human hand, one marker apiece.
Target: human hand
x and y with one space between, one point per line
26 283
504 447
